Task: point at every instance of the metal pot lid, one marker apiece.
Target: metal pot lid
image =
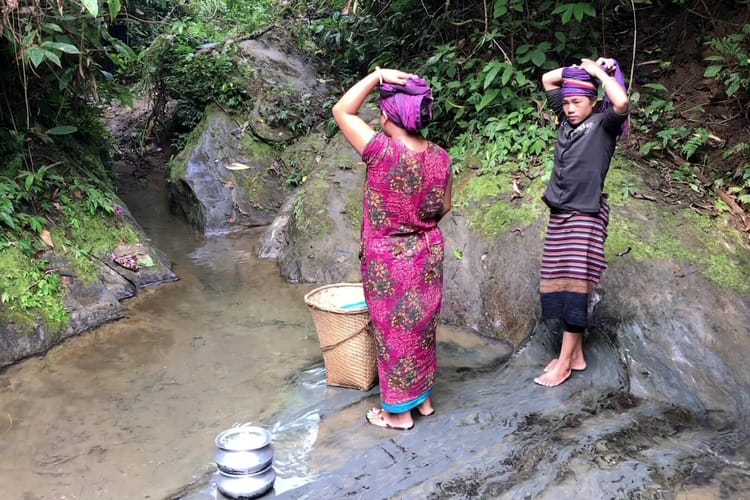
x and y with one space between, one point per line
243 438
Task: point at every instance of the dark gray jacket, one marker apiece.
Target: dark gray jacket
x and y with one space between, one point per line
582 158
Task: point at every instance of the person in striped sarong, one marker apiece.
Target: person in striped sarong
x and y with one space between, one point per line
573 258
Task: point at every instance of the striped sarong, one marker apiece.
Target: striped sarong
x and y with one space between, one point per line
572 263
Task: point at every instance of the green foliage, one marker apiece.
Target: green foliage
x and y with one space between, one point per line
29 287
730 65
738 178
485 80
229 18
295 111
54 147
196 64
668 134
576 10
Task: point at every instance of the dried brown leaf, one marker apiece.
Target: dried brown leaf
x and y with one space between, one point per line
47 238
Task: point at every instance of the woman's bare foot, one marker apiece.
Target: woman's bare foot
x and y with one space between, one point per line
426 409
397 421
577 364
556 376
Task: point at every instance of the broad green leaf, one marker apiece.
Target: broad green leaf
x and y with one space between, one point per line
492 69
656 86
538 57
66 77
712 71
35 55
522 49
29 37
62 130
92 6
51 56
62 47
501 8
585 9
114 8
53 27
733 87
506 75
487 99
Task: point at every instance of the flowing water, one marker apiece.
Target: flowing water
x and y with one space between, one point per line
131 410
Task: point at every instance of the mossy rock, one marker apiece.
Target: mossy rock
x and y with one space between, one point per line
226 180
325 220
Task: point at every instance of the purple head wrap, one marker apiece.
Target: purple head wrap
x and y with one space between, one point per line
410 105
578 82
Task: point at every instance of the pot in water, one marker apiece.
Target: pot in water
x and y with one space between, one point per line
245 486
243 450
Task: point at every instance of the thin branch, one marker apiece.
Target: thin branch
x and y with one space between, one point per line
635 43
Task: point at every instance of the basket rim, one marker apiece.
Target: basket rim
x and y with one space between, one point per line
336 310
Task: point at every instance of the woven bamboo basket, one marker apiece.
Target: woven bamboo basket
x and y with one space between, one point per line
343 325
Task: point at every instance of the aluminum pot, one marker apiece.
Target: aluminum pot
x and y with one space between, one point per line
245 486
243 450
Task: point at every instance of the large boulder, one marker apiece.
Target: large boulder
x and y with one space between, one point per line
287 91
673 307
228 178
224 181
316 239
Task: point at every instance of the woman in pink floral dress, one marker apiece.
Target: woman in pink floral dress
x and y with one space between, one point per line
407 191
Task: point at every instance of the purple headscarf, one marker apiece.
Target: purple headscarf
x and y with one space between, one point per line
578 82
410 105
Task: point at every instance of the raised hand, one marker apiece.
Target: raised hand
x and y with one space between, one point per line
394 76
607 64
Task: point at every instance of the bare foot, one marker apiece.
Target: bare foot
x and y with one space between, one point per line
577 365
426 409
555 376
381 418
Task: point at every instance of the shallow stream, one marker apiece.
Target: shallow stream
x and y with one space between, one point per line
131 410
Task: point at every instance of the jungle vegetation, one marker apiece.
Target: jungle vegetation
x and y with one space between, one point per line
63 62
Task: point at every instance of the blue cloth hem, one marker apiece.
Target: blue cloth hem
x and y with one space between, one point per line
404 407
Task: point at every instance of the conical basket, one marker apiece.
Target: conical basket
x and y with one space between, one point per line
343 325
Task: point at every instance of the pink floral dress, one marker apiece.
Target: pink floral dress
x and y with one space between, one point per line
402 264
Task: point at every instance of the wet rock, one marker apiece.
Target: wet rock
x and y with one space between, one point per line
153 265
225 182
491 285
276 238
92 301
286 90
321 244
497 435
683 340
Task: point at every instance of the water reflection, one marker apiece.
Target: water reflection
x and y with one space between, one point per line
132 409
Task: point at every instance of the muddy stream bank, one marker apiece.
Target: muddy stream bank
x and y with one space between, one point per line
130 410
